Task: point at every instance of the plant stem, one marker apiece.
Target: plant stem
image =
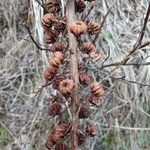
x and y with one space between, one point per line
70 14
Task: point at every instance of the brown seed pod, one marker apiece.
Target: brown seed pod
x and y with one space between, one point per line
60 24
54 99
49 143
59 131
79 6
59 55
81 138
77 28
91 130
61 147
97 89
84 112
95 100
95 55
84 78
54 109
50 72
93 28
57 59
57 46
50 36
57 80
66 87
88 48
47 20
52 6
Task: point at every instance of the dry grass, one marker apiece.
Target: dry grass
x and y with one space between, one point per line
123 120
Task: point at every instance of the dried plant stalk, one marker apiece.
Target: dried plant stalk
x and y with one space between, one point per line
74 72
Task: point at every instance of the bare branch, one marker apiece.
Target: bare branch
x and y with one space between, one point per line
83 18
33 40
129 64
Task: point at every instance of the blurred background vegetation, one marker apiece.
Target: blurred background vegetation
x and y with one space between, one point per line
124 119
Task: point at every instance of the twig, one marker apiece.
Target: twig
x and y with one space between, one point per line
40 89
126 128
144 45
33 40
129 64
129 81
106 58
83 18
104 19
122 79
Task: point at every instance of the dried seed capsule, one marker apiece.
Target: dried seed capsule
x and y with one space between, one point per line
49 143
66 87
91 130
52 6
77 28
47 20
84 78
57 80
57 59
57 46
60 24
59 55
88 48
95 100
81 138
54 109
93 28
94 86
95 55
50 36
84 112
59 131
79 6
61 147
50 72
97 89
55 62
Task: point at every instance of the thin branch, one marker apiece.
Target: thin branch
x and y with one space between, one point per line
122 79
83 18
128 64
33 40
125 128
144 45
104 19
106 58
130 81
41 88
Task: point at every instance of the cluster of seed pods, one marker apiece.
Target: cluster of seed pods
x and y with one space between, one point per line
55 27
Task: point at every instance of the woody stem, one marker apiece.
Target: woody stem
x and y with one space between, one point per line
70 14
